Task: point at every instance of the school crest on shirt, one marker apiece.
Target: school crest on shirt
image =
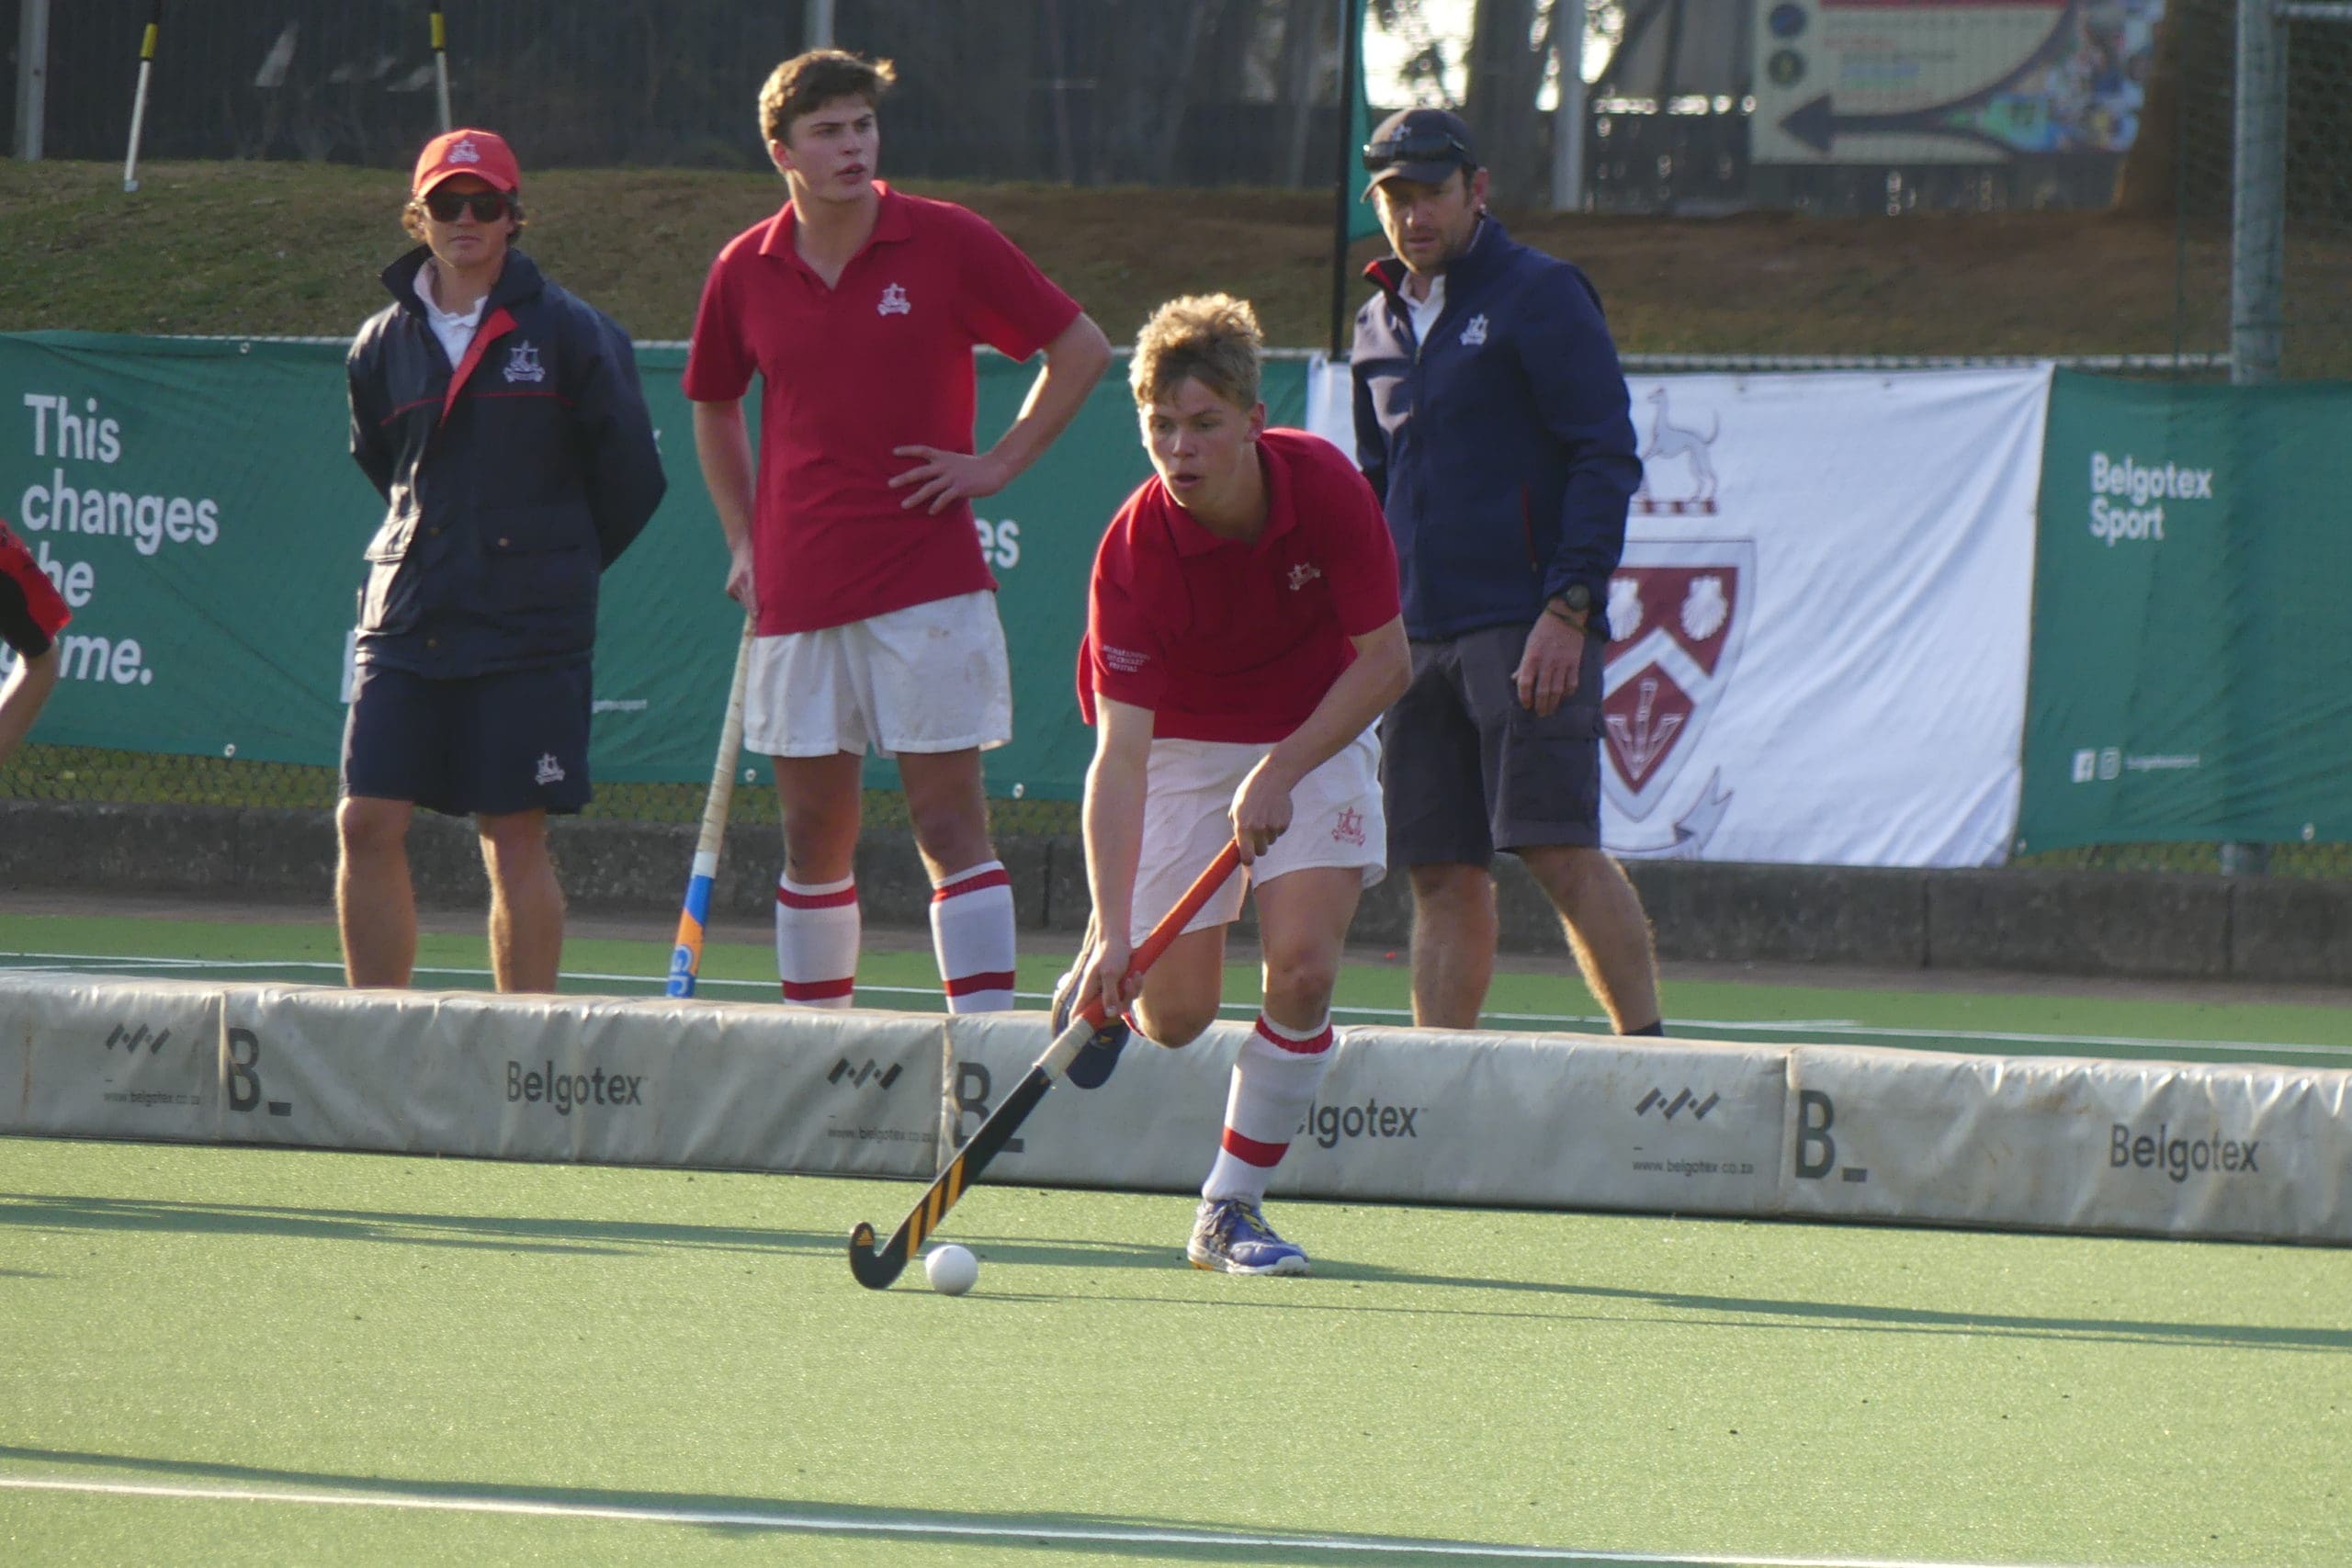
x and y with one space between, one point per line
894 301
1678 616
522 363
1304 573
1473 332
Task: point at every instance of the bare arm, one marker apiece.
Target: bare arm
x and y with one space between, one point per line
1075 360
1115 802
1552 661
1381 669
723 442
27 688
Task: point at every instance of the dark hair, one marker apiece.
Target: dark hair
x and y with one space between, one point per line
811 80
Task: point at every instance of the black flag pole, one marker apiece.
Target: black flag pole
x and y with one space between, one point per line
1343 185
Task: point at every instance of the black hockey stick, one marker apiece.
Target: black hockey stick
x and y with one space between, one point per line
875 1268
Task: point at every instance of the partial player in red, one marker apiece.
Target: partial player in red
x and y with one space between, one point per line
31 615
1244 637
853 542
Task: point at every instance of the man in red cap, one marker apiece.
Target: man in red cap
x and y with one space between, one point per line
500 419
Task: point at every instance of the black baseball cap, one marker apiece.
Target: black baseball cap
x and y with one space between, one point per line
1424 144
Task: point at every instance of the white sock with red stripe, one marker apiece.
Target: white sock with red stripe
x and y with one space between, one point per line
817 930
971 935
1274 1082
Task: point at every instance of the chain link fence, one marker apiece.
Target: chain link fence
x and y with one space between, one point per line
1086 92
2262 185
81 774
2256 96
1185 93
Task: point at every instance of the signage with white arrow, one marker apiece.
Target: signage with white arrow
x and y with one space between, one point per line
1947 81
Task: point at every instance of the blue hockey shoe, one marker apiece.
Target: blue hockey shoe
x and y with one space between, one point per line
1231 1235
1091 1068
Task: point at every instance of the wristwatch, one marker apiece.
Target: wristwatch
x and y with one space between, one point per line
1574 605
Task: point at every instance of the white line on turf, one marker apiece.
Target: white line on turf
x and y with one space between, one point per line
825 1524
1700 1028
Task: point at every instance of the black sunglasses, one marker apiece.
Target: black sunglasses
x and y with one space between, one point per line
489 205
1415 147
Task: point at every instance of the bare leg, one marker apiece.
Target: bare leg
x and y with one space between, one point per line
1607 930
1302 918
820 798
1453 943
375 903
948 807
525 901
1182 991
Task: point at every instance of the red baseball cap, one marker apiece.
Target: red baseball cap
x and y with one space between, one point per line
482 153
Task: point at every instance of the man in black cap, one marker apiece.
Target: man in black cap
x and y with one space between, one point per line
1492 420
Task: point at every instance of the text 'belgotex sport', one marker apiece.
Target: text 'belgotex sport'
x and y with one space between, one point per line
2135 484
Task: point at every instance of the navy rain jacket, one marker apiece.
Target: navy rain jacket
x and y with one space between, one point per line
1501 449
510 480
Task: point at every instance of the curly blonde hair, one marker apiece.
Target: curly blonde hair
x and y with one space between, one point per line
1214 339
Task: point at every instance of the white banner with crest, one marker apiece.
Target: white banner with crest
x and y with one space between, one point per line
1821 620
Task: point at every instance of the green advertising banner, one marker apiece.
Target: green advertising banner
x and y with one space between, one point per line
2192 647
195 501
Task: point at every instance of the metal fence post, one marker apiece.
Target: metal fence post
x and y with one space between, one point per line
32 78
2259 206
1568 118
2257 243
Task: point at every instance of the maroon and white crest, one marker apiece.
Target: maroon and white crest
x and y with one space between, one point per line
1678 613
1678 464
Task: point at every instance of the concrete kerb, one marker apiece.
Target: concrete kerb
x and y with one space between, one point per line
2085 923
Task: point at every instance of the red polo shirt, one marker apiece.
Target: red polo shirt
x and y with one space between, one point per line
882 359
1231 641
32 612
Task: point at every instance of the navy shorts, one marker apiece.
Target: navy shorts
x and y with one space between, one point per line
490 744
1466 771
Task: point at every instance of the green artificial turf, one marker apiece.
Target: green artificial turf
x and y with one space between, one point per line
271 1321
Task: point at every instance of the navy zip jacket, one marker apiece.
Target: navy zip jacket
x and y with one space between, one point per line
1501 449
511 479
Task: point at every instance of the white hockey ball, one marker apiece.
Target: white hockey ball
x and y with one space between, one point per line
951 1269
